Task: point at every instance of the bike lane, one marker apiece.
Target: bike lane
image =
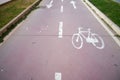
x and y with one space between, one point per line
35 50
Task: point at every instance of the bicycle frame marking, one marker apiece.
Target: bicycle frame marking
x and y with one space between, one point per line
92 38
88 37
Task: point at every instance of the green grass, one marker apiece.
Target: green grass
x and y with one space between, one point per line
12 9
110 8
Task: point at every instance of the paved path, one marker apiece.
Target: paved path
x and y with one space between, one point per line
3 1
117 0
44 48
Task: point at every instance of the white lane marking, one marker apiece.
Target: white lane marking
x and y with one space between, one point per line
61 10
50 4
60 29
62 0
73 3
58 76
93 38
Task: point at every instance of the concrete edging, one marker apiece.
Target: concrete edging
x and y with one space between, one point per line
20 16
104 17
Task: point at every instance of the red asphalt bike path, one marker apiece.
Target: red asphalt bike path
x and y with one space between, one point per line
43 48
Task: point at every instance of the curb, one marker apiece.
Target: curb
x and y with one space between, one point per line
6 3
103 17
22 15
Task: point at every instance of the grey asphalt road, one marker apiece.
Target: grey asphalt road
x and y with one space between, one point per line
3 1
48 45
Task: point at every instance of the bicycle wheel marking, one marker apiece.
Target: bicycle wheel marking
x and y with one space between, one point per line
94 39
101 40
77 41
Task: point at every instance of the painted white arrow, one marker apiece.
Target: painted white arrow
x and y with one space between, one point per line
73 3
50 4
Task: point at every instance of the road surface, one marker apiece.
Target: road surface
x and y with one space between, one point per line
3 1
60 40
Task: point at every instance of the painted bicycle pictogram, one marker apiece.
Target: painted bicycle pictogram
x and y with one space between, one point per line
93 38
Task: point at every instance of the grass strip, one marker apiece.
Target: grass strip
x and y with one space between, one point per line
10 11
110 8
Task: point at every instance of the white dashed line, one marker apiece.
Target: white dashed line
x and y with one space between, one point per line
58 76
62 0
61 10
60 30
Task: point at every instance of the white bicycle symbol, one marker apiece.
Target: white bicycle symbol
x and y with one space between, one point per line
95 39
